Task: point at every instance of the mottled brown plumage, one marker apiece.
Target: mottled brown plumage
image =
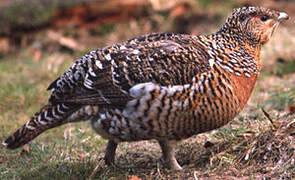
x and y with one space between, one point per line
160 86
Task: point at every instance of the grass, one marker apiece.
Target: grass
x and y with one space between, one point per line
249 147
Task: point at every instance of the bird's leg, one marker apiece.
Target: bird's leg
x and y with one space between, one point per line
109 157
169 154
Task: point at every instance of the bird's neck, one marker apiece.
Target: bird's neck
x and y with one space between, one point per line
236 54
237 34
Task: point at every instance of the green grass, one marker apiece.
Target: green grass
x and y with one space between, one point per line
280 100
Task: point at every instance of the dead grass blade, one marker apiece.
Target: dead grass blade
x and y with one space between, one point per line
268 117
95 169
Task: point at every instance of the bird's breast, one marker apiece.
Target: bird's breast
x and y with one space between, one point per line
243 87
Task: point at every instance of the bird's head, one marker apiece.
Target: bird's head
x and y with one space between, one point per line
255 24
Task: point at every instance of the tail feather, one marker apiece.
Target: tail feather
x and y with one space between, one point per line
49 116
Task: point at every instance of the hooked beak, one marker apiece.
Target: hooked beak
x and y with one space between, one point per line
283 16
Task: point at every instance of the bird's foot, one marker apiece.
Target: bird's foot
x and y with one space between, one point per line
169 155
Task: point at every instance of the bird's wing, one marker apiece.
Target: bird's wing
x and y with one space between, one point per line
104 77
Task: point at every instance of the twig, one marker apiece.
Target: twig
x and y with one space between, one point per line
268 117
195 175
159 172
94 170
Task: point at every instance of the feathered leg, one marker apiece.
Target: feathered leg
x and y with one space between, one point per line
110 153
169 154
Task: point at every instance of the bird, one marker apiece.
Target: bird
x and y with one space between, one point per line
162 86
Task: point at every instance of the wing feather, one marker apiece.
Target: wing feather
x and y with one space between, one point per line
104 76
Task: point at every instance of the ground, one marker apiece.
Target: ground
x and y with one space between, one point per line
258 144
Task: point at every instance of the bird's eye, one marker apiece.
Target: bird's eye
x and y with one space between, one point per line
264 18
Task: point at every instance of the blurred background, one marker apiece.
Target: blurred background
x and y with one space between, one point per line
40 39
72 26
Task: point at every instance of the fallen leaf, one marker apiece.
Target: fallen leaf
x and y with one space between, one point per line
64 41
25 150
4 45
180 9
37 55
134 178
291 108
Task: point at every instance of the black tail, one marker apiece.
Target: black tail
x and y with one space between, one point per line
48 117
